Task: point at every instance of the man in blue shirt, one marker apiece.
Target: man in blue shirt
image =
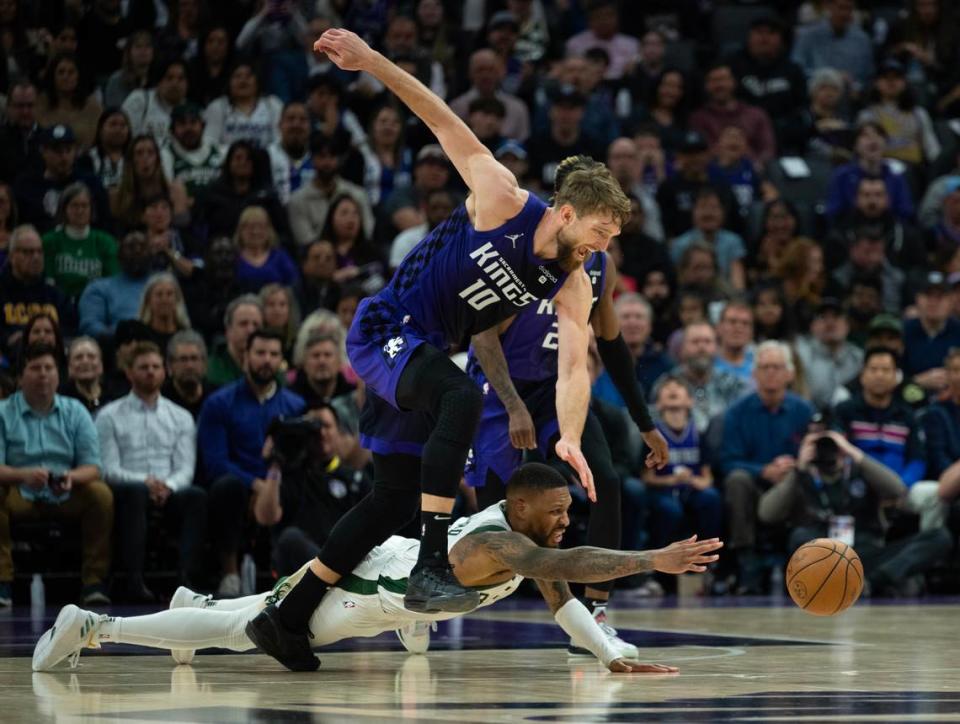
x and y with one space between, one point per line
50 468
932 334
761 438
231 432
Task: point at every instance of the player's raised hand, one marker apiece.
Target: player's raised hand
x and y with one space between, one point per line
629 666
570 453
659 454
687 556
347 50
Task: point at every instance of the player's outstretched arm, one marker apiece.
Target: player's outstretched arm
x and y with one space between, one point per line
492 183
489 353
572 304
587 564
619 364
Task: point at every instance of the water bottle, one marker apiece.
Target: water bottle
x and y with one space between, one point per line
248 576
37 595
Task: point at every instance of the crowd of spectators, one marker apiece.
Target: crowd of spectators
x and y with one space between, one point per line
193 202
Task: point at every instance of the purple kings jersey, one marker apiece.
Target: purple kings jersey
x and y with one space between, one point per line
530 342
459 281
684 448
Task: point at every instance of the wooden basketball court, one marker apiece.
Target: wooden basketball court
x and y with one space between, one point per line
740 660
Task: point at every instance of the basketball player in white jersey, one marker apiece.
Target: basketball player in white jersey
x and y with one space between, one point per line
491 552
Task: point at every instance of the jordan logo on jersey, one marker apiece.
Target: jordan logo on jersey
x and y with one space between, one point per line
513 238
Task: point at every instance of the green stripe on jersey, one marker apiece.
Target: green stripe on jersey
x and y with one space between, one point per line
489 529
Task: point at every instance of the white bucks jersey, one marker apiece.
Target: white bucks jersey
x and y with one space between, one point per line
383 573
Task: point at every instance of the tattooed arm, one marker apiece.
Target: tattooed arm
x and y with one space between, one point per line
555 593
489 353
586 564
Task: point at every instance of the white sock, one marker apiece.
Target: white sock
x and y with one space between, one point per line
181 628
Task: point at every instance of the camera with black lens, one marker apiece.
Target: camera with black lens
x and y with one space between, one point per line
295 439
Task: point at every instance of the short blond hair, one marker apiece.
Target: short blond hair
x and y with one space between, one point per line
590 188
249 214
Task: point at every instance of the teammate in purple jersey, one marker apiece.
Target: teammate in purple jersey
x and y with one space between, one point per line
499 253
515 364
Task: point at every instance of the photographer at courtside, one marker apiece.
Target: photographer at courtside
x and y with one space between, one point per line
307 487
837 491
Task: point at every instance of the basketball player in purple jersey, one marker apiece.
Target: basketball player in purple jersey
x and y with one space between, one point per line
500 251
515 365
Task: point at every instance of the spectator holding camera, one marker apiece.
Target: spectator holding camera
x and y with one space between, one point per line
231 433
148 446
761 438
837 491
307 488
50 468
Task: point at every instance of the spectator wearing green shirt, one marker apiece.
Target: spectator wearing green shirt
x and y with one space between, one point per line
50 468
244 315
75 253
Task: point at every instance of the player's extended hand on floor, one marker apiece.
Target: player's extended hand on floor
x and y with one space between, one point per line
348 50
659 454
687 556
570 453
629 666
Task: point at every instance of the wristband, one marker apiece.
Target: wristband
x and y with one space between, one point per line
576 621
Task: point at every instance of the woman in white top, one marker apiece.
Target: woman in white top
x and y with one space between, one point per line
149 110
243 114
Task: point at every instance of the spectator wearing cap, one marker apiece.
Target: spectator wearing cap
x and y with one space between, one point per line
676 195
20 132
310 204
243 113
928 337
867 256
189 156
564 138
870 146
112 299
149 109
603 25
893 104
722 109
403 209
290 159
884 426
828 121
885 330
513 155
437 206
65 100
828 359
769 80
837 42
38 192
76 253
503 32
905 245
486 73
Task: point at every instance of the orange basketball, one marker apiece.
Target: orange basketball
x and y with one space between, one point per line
824 577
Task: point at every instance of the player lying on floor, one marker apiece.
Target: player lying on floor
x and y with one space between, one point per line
491 551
